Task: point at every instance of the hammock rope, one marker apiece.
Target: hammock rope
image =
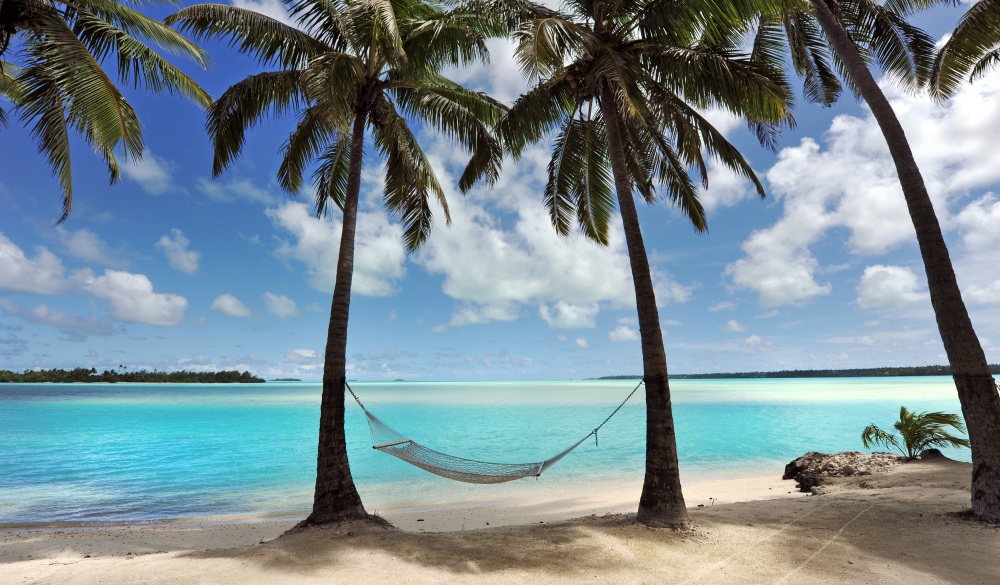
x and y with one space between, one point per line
388 440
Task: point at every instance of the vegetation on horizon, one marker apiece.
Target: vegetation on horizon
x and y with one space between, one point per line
844 373
919 431
91 375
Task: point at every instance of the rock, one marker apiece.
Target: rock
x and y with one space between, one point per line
846 464
929 454
807 481
816 490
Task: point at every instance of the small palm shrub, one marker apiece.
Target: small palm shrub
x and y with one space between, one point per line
919 431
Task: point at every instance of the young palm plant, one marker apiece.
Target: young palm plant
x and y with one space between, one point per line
919 431
351 67
623 85
51 55
859 32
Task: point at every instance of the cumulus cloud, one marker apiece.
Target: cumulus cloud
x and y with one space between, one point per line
722 306
734 326
133 300
563 315
883 287
86 245
75 328
228 304
623 333
280 305
582 343
151 172
273 8
758 343
175 246
850 183
43 274
379 256
235 190
502 253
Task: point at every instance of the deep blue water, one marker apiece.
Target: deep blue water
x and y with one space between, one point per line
118 452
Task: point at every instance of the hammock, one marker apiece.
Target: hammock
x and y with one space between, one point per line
388 440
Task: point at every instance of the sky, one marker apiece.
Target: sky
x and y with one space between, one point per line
171 269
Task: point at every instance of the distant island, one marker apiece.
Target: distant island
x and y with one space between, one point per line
852 373
91 375
286 380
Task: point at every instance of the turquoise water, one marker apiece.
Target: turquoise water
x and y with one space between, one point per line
128 452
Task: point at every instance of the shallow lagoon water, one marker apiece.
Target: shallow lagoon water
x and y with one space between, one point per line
136 452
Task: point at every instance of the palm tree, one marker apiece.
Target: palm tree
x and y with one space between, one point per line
972 50
919 431
51 55
622 84
350 66
859 31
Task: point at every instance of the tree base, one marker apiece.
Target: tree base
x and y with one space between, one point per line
663 519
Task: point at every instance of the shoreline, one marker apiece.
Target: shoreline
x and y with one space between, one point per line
904 527
540 505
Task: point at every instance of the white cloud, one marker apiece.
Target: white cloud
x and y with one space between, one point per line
502 251
175 246
722 306
850 183
379 256
42 274
151 172
734 326
86 245
479 314
236 190
228 304
280 305
582 343
884 287
623 333
302 356
758 343
133 300
565 315
74 327
273 8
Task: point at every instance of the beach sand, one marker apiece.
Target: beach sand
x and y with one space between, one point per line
901 527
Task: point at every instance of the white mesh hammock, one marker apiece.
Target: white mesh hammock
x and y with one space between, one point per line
388 440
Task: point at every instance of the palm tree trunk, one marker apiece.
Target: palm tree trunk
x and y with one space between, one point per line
336 498
977 391
661 503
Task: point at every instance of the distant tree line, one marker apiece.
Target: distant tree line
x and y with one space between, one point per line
91 375
852 373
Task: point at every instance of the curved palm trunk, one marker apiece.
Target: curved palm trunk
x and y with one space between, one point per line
977 390
336 498
661 503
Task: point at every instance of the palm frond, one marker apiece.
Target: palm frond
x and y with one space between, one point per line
310 137
272 42
970 52
874 436
409 178
330 176
243 105
545 44
905 52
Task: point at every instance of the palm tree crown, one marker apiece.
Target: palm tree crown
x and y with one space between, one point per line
352 66
919 431
622 84
51 53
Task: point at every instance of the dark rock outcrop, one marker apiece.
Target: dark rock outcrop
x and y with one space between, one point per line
810 470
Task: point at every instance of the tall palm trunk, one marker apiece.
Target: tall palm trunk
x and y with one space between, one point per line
336 498
661 503
977 390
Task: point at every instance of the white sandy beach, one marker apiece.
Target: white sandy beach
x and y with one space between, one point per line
901 527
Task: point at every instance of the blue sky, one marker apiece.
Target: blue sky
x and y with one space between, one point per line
171 269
